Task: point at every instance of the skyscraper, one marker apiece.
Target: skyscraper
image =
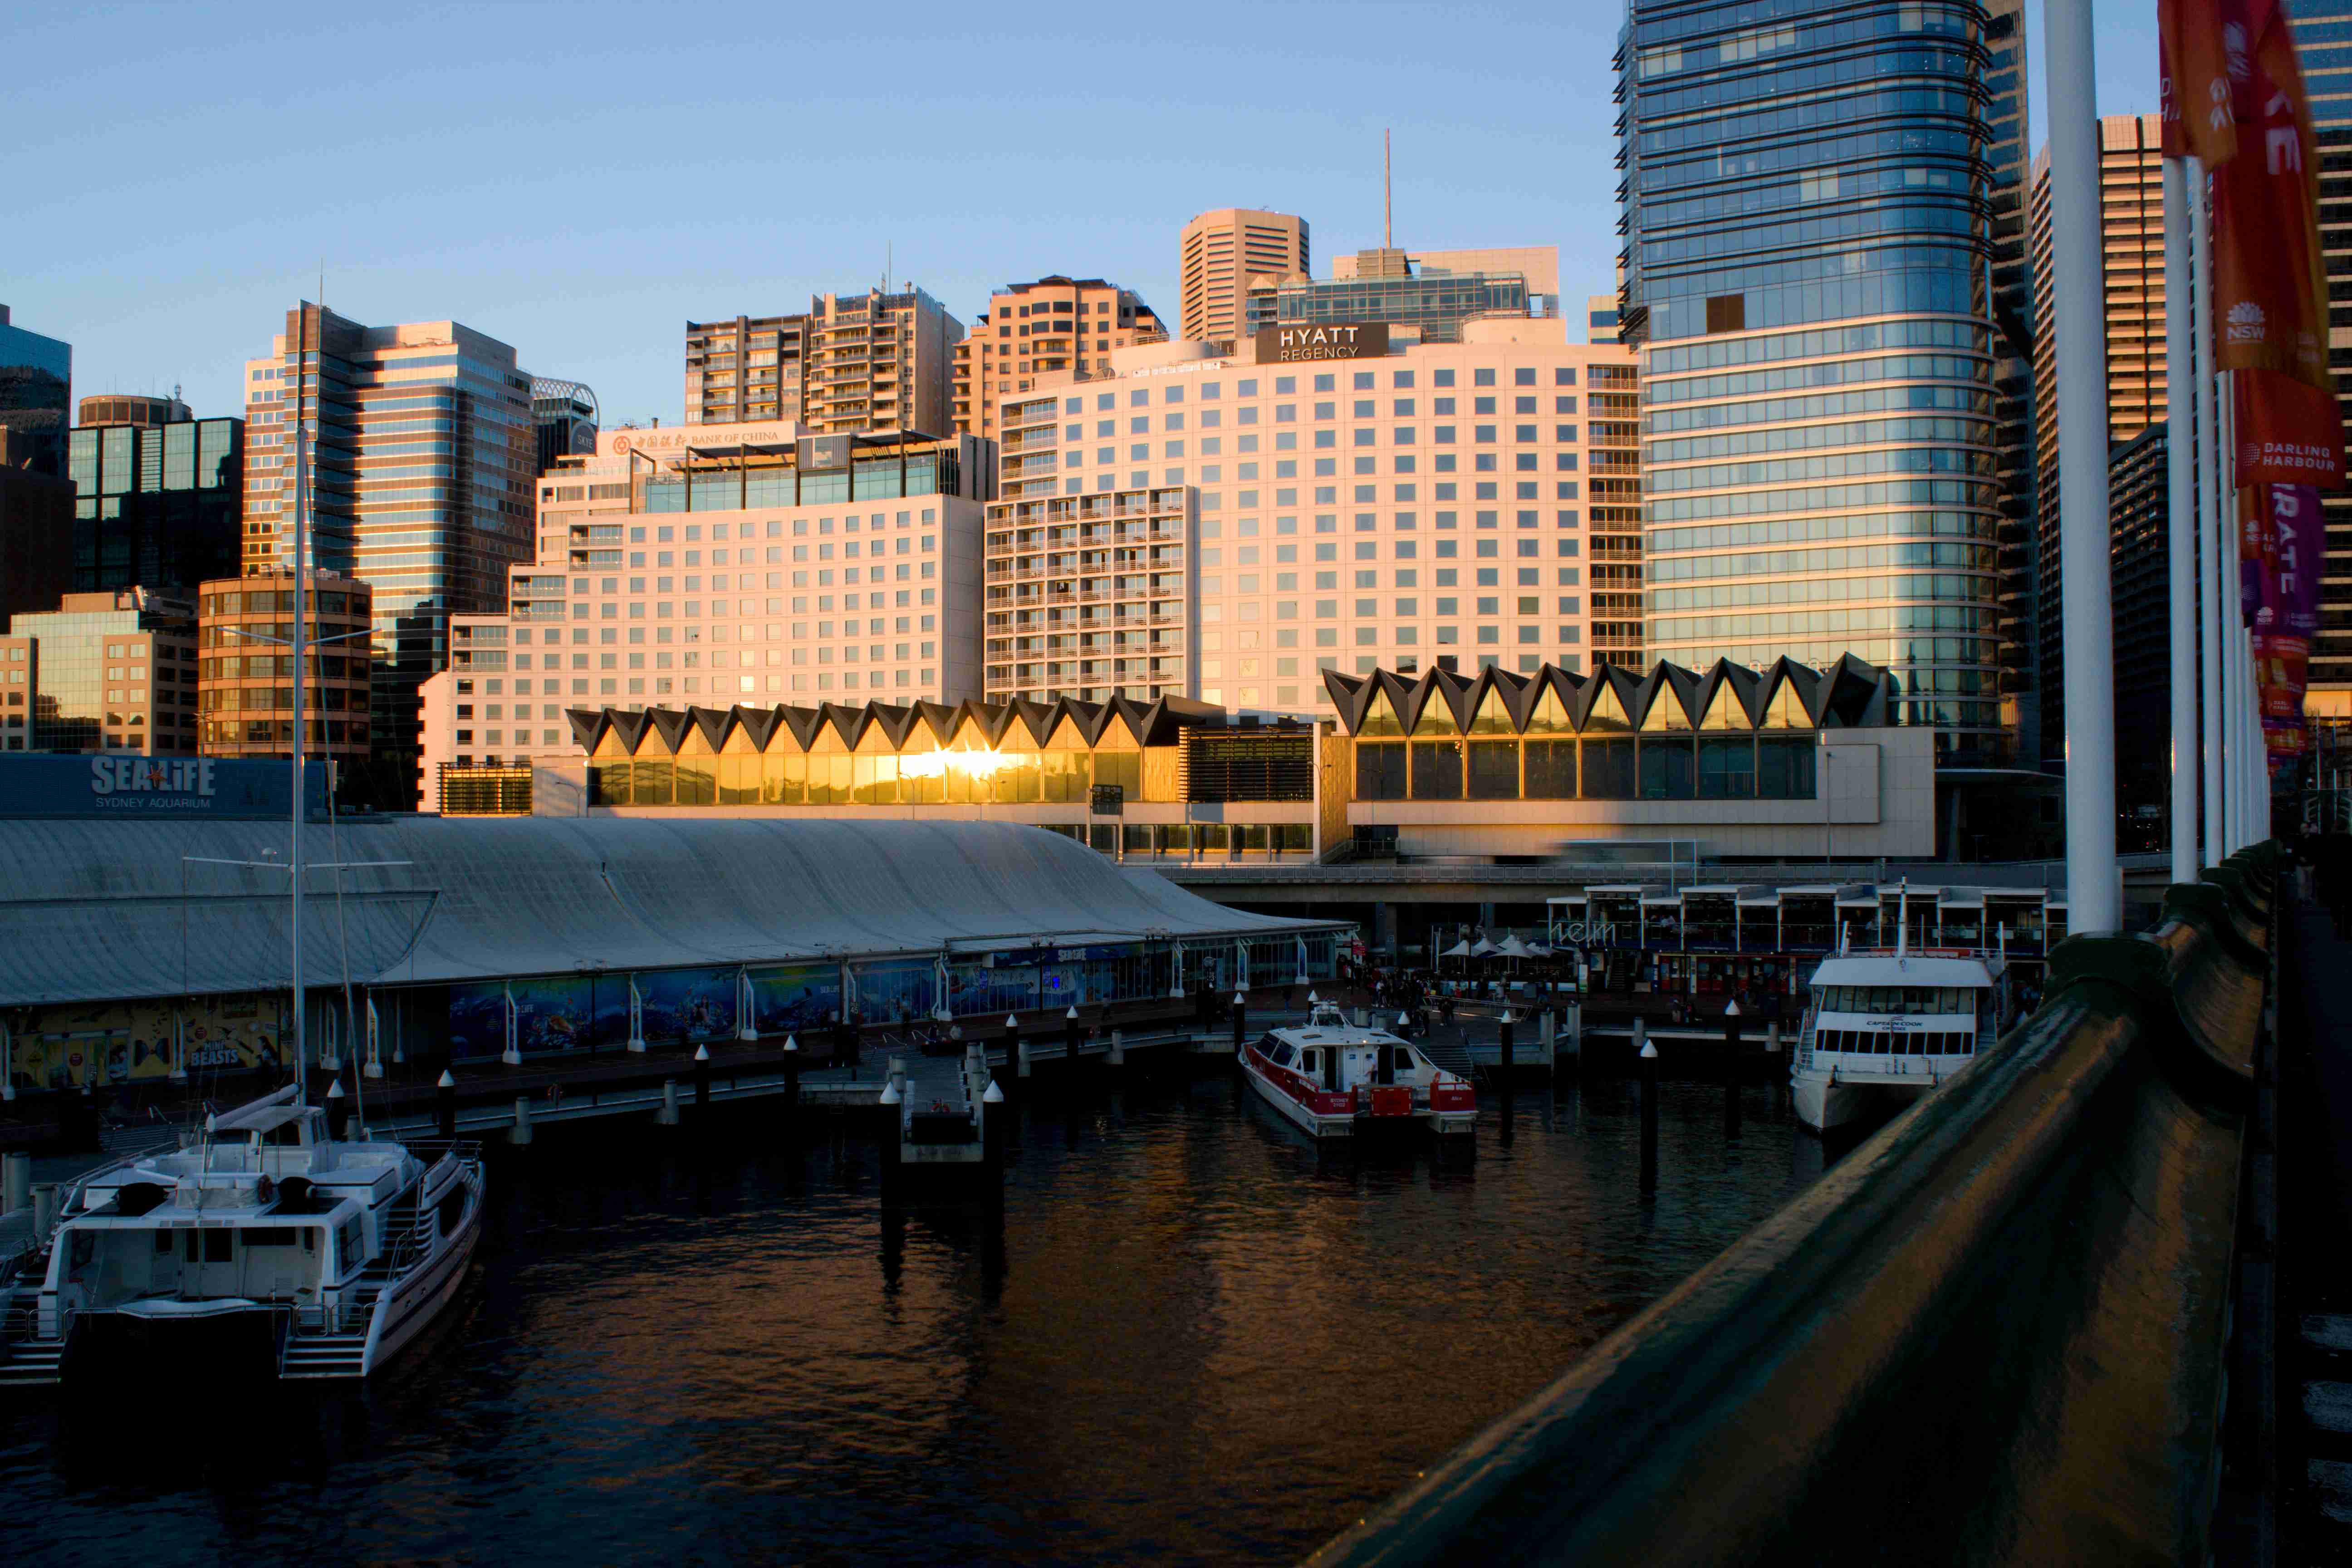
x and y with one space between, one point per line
1218 253
2323 36
35 398
423 447
1808 274
2131 249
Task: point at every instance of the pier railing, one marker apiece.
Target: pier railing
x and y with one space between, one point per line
1996 1332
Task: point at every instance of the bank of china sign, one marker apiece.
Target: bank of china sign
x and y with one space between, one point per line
1322 340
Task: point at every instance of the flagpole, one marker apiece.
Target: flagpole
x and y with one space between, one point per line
2209 491
2094 893
2180 520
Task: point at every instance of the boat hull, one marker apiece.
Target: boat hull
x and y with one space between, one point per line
1825 1106
418 1305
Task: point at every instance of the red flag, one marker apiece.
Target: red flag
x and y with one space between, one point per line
2270 293
2193 56
2289 432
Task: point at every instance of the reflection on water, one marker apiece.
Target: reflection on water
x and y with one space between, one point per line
1182 1335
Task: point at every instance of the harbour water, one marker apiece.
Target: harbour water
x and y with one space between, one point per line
1183 1336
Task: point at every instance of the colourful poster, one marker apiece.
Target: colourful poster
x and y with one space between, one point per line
687 1004
74 1045
795 998
550 1014
896 994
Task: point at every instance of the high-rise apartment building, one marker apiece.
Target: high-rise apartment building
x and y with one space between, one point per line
1033 330
566 416
878 362
2009 152
2138 508
2323 36
423 448
1218 253
102 672
1224 527
2131 249
749 368
36 538
35 398
1809 249
158 505
246 673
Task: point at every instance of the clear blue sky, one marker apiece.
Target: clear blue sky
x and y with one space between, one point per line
581 179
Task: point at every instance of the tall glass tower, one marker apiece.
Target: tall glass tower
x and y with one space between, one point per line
1810 205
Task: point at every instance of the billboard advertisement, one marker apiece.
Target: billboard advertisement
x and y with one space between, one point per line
148 788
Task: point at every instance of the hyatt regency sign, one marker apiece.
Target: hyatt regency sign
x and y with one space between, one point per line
1322 340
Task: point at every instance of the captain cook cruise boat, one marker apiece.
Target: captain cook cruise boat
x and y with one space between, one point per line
1336 1079
1893 1027
262 1245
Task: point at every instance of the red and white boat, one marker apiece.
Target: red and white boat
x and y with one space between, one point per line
1337 1079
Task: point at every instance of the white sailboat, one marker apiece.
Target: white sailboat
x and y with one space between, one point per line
265 1244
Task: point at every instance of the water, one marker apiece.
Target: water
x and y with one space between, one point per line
1185 1336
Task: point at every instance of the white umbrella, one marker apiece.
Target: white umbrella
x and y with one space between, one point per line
1512 947
1459 950
1484 948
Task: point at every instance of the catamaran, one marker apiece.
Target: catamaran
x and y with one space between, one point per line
1893 1026
263 1246
1337 1079
264 1243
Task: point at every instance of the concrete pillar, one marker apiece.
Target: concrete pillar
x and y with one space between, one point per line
16 1181
1119 1047
667 1115
445 1104
521 1132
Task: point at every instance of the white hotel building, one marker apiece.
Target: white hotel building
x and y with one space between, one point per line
1202 523
714 565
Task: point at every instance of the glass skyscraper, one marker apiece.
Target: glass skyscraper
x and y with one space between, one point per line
156 506
1808 274
35 398
423 448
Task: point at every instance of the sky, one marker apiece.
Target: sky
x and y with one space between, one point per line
580 180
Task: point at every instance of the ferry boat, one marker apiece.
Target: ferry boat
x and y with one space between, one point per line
263 1246
1893 1026
1336 1080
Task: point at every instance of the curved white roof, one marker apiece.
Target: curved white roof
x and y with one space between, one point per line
96 910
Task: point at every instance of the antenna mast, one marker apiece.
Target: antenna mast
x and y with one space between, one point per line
1388 193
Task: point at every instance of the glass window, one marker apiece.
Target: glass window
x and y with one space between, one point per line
1608 770
1727 769
1550 770
1493 770
1437 770
1380 771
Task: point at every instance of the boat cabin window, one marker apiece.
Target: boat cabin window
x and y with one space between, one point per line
1899 1000
209 1246
1310 1062
1282 1054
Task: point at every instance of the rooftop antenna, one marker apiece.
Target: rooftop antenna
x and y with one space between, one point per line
1388 193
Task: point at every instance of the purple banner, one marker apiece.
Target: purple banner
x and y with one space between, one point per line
2295 548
